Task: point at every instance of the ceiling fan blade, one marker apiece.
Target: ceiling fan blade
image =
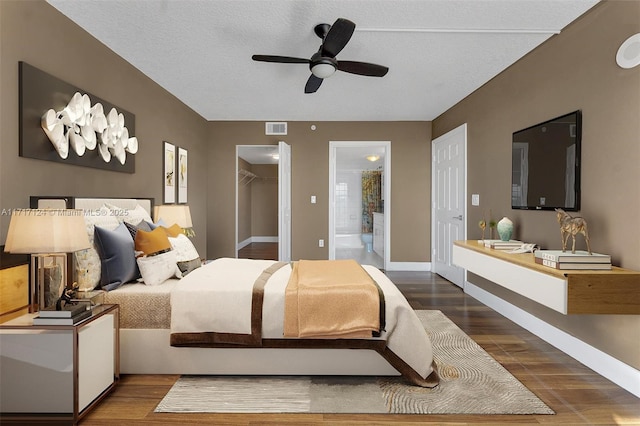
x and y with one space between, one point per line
338 36
363 68
312 84
279 59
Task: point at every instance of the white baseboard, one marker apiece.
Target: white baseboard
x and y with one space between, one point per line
264 239
256 240
604 364
409 266
244 243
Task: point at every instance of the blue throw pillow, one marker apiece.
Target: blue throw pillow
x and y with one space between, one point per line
155 225
117 256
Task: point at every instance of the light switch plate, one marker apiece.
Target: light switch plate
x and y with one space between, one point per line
475 199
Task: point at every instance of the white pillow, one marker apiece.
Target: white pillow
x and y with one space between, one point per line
131 216
187 256
184 248
158 268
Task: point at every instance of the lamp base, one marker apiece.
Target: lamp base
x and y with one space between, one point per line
48 279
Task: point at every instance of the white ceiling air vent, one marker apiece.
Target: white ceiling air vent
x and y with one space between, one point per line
275 128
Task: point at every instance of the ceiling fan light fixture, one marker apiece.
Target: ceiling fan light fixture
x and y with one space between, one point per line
323 63
323 69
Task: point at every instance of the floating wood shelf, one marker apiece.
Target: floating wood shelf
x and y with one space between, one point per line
567 291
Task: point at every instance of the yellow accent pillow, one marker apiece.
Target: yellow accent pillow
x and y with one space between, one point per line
174 230
152 242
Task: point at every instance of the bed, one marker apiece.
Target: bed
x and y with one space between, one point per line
154 338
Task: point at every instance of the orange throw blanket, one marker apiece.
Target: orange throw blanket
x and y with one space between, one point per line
331 299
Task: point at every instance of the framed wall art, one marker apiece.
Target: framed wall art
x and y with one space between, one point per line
169 173
47 106
183 173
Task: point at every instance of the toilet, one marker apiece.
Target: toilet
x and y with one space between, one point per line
368 240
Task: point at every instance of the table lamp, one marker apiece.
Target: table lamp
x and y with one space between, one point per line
175 213
48 235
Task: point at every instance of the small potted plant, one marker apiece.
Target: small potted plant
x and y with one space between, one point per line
492 226
483 225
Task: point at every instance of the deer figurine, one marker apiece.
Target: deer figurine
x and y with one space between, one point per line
572 226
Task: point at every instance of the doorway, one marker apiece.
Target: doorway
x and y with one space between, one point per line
448 195
263 202
359 191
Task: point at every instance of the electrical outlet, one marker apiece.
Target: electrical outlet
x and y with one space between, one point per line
320 243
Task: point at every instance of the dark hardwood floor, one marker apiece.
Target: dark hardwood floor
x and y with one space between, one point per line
577 394
267 251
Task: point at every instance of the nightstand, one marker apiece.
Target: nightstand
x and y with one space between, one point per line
57 373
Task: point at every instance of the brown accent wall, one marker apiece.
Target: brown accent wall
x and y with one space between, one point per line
410 176
573 70
35 32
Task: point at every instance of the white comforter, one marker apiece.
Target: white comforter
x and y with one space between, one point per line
217 298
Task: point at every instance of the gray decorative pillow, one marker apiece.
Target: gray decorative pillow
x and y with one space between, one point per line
133 229
189 265
117 257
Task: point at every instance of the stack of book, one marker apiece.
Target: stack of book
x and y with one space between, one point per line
559 259
68 315
503 245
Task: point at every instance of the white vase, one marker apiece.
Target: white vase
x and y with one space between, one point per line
505 229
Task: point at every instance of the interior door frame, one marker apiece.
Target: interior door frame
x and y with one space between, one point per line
386 183
284 202
281 203
463 189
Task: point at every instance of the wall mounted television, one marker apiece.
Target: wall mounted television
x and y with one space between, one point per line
545 172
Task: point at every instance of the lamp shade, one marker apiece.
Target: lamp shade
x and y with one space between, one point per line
46 231
173 213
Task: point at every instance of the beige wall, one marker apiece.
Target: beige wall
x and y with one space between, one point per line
573 70
264 201
34 32
410 175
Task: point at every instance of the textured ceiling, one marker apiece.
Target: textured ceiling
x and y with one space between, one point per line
437 51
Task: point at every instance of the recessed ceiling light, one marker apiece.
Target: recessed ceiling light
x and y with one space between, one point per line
373 157
628 55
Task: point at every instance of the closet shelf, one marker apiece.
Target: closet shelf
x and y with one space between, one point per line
245 177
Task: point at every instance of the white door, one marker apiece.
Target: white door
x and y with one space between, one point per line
284 202
448 195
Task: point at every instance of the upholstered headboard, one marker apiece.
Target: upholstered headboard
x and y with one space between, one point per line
87 203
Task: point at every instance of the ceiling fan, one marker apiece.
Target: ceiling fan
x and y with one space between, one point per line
323 63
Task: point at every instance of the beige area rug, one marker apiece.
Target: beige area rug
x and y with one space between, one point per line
472 382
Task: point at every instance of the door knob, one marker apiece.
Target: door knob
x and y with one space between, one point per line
459 217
